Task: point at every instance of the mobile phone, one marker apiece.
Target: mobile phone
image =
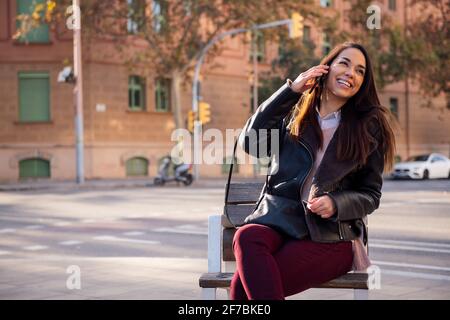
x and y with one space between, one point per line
319 81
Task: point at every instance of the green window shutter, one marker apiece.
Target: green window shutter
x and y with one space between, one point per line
262 163
34 168
37 35
171 171
162 94
137 167
226 164
306 34
261 47
136 93
34 96
392 5
326 45
393 105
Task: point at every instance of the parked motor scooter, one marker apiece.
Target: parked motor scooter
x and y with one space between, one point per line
182 173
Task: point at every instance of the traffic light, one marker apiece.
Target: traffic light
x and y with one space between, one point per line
296 26
190 120
204 112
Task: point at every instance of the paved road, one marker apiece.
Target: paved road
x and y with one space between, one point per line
150 243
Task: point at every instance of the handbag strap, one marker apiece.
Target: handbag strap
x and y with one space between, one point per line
227 190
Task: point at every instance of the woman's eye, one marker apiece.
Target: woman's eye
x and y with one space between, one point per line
361 72
343 62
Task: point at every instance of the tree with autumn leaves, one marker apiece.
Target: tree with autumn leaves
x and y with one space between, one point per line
173 32
419 50
176 31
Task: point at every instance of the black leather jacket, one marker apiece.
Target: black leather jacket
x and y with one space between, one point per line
355 190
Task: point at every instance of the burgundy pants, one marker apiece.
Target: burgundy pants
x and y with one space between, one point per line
271 266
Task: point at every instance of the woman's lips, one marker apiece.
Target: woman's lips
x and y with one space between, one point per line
342 85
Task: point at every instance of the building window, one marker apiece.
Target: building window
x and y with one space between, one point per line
262 165
162 94
306 34
375 39
393 106
392 5
34 168
159 13
326 45
136 93
36 35
136 16
226 165
187 6
260 48
34 97
325 3
137 166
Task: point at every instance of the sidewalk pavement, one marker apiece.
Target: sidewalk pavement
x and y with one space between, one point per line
112 184
43 184
162 278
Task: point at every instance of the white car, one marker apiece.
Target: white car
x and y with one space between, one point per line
426 166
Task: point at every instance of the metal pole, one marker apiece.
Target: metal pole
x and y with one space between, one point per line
197 130
255 78
408 147
78 94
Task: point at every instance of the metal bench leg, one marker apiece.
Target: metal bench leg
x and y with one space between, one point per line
214 244
208 293
360 294
214 252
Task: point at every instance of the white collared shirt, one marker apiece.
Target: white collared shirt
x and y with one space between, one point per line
330 120
328 124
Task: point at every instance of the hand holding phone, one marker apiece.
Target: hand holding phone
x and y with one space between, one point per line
308 79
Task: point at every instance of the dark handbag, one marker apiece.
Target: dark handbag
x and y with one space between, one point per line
280 213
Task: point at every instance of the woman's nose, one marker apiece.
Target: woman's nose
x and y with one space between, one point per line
349 72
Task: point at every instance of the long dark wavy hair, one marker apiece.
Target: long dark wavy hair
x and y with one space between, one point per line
357 115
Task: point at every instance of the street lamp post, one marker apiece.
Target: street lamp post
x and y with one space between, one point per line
78 93
197 124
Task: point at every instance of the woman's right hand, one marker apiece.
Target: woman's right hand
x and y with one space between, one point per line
306 79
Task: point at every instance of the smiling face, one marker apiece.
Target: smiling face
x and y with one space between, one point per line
346 73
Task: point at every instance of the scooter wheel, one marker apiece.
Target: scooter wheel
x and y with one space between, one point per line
188 180
158 182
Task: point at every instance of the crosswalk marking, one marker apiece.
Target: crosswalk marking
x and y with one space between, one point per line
413 243
113 238
8 230
133 233
35 248
70 242
407 248
88 221
184 231
34 227
419 275
62 224
410 265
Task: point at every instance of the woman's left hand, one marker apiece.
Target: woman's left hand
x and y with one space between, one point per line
322 206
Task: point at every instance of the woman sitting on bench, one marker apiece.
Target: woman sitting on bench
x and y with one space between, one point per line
335 141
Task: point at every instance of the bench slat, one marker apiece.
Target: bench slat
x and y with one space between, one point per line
227 244
237 214
241 193
357 280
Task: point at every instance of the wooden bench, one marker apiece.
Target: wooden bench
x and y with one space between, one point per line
221 261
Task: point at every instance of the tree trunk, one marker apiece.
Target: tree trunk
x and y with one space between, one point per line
176 98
